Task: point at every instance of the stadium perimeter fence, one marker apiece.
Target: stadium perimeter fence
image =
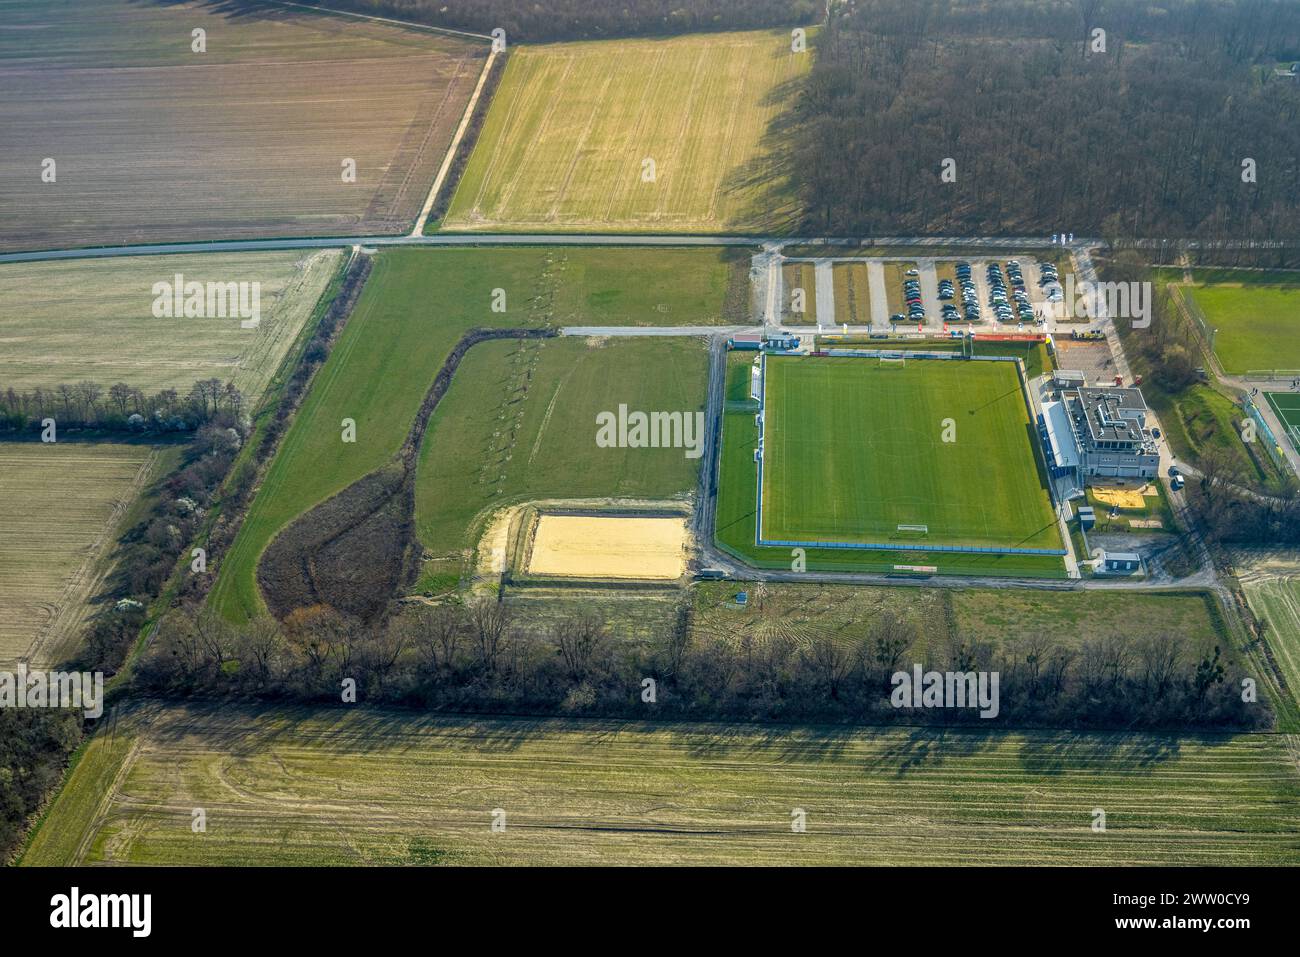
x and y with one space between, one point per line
915 546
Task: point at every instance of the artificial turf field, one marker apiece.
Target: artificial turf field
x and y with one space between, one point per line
1287 407
854 447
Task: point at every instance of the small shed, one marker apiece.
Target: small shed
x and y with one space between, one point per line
1087 517
742 598
1122 561
745 342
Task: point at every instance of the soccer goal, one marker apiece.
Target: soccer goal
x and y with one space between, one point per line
916 530
893 361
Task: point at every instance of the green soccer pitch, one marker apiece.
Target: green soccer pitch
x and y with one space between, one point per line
854 448
1287 407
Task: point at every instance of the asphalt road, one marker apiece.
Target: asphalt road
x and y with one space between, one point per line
498 239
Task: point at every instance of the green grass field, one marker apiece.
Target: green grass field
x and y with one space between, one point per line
737 512
854 448
519 423
77 320
334 786
1000 617
1199 419
1255 314
416 306
573 126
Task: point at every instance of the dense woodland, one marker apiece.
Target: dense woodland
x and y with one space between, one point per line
590 19
34 746
1144 139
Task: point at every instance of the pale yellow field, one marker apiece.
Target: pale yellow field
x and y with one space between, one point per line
584 546
664 134
59 507
93 319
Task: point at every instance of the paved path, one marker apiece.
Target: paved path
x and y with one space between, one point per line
1085 271
879 296
823 270
657 330
595 239
930 295
423 218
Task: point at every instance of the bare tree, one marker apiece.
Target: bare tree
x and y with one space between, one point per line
579 638
490 622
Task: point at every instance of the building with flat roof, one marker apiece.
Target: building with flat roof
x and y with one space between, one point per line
1121 562
1110 431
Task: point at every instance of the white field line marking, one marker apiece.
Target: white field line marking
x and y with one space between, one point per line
455 145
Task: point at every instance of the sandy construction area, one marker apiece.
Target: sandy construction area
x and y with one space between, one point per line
1122 497
585 546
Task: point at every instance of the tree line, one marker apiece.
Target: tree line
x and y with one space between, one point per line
480 656
119 407
588 20
955 117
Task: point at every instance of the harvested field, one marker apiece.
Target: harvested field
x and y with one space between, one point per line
611 546
358 786
1277 602
79 320
574 127
61 504
155 142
